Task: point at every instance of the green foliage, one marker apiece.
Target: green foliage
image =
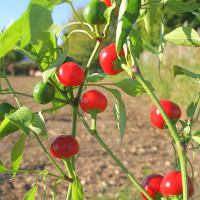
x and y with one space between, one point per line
128 14
184 36
17 153
168 87
171 21
22 119
80 45
54 67
7 127
124 192
181 71
119 111
30 195
77 189
38 126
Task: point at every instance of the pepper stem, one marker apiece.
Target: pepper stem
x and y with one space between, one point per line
93 114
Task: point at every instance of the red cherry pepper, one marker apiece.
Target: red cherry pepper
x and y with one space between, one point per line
172 184
93 99
70 74
151 184
106 58
64 146
173 111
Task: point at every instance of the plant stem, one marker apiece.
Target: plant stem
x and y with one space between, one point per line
96 48
31 172
96 136
94 120
49 157
69 193
83 25
19 93
59 100
71 175
180 147
194 109
74 122
97 30
48 110
54 188
79 31
69 167
12 90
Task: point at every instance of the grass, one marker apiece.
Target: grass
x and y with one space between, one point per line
125 192
179 89
129 192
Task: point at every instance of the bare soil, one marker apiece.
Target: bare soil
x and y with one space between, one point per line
144 149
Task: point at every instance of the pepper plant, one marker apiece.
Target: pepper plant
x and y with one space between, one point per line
65 81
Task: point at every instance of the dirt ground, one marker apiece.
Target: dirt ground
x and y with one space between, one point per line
144 149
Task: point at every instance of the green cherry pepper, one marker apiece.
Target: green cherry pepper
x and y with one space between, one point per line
69 59
43 92
93 12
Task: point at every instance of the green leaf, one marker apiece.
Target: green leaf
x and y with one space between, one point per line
150 15
38 126
22 119
187 130
184 124
196 133
196 139
54 67
7 127
119 111
3 168
109 12
17 153
44 49
37 20
57 95
40 47
136 41
197 15
161 42
182 71
149 47
77 189
65 42
30 195
128 14
184 36
11 36
181 7
189 109
118 77
132 87
55 30
96 77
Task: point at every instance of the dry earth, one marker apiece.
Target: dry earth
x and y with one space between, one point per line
144 148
